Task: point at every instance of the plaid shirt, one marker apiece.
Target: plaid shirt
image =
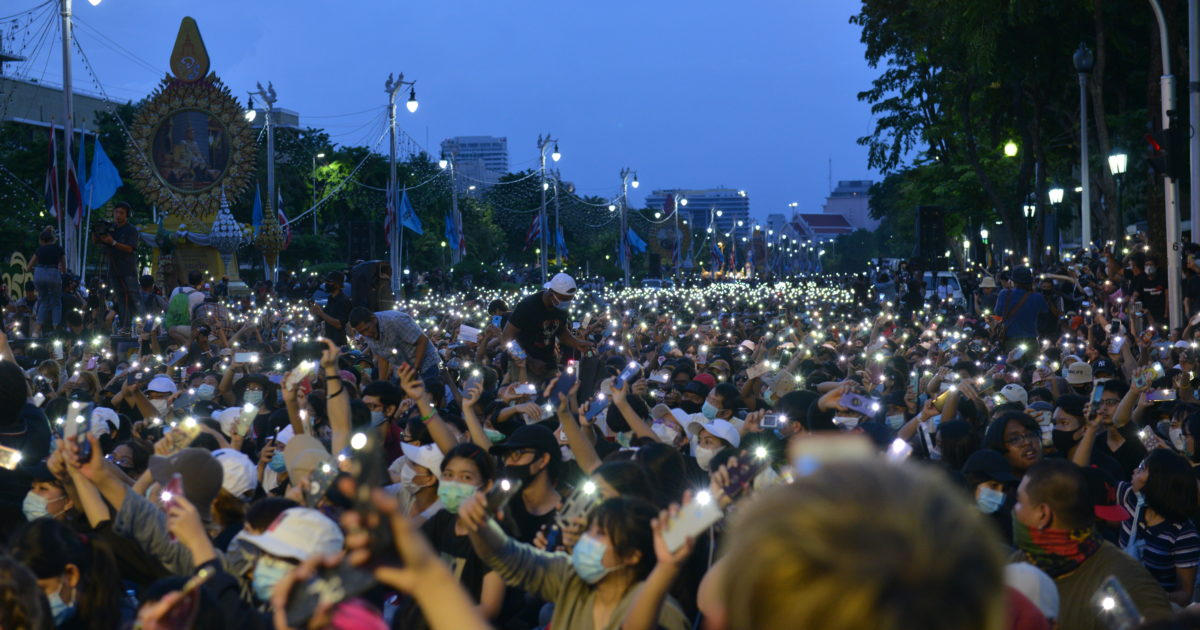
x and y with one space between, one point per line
400 332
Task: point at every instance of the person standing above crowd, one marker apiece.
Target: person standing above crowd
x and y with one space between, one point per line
183 302
48 267
538 321
121 247
394 337
336 311
1019 308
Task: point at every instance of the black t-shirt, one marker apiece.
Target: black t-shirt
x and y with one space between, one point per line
1191 290
1130 455
527 525
338 308
456 552
118 261
49 255
1152 291
538 326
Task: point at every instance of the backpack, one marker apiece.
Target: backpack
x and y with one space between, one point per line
178 311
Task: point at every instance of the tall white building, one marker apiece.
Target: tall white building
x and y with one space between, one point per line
851 199
733 204
478 160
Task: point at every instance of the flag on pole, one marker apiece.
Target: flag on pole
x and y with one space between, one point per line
452 239
535 231
256 216
283 220
104 180
74 200
408 216
389 217
51 190
561 245
718 255
635 242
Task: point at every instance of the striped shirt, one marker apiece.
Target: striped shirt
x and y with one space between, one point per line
1164 547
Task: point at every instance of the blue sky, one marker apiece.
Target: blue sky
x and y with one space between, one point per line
757 95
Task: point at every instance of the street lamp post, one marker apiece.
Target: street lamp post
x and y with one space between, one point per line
677 254
268 97
983 238
1084 61
457 252
396 251
622 240
1117 163
1056 195
319 156
1170 185
543 143
1030 211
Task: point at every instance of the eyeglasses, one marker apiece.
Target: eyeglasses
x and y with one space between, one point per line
1109 402
1025 437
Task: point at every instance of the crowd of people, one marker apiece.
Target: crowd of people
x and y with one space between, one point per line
830 451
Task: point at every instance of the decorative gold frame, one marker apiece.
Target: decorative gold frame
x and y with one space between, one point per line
211 97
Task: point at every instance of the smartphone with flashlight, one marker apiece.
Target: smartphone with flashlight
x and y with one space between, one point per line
695 517
501 493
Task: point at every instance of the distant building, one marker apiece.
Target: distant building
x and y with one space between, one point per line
776 221
733 205
479 161
35 103
821 226
851 199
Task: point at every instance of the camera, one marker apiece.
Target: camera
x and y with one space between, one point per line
103 228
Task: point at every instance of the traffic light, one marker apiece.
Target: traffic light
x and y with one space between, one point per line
1168 148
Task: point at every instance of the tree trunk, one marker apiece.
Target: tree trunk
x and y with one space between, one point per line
1108 186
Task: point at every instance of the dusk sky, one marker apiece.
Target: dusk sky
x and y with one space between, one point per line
754 95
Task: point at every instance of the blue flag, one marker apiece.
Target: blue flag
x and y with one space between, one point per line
408 216
636 243
451 232
256 217
105 179
81 163
561 243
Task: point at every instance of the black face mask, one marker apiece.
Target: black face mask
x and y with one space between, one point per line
1063 441
689 406
520 472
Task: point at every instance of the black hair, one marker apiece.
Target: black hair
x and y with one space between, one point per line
497 306
1118 387
195 277
205 441
956 447
141 455
731 398
628 478
994 438
13 390
626 521
482 459
616 421
358 315
360 414
1063 486
22 606
47 546
1170 485
389 395
665 465
263 512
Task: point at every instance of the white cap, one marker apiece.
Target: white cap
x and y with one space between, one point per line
1034 584
101 416
1014 393
659 411
299 533
1079 373
239 477
162 384
429 456
561 284
718 427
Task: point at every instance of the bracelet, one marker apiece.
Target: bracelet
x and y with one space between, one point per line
426 419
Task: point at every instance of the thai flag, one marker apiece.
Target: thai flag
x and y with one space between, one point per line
51 190
535 230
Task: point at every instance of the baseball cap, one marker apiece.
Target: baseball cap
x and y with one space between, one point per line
1015 393
988 463
429 456
1103 366
659 411
718 427
239 478
202 475
697 387
299 533
302 455
530 436
226 418
1022 275
561 284
1034 584
162 384
708 379
101 416
1103 489
1079 373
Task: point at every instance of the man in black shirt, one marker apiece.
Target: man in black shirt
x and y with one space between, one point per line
540 319
121 246
337 309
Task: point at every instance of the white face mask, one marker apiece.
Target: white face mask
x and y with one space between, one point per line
1177 439
665 432
704 457
845 423
407 479
160 406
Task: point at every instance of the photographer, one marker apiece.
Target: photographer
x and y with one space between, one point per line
120 241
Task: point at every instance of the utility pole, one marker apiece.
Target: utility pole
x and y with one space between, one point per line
396 249
557 249
456 254
268 97
621 242
68 231
543 142
1084 61
1170 186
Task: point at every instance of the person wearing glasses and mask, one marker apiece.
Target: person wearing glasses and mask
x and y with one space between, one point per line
1017 437
538 321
